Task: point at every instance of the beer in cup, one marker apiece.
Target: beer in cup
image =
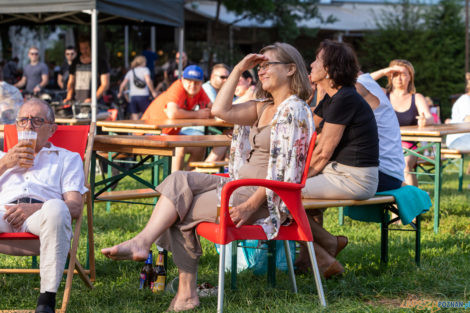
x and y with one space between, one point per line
28 138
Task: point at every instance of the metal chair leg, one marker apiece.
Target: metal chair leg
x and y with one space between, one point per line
290 266
316 273
220 292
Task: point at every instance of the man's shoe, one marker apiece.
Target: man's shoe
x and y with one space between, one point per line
42 308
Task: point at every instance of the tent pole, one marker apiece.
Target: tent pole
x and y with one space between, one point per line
126 46
180 49
152 38
94 61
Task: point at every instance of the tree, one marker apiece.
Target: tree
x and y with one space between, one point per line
431 38
285 14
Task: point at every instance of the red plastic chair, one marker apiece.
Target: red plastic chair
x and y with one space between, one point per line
299 230
77 138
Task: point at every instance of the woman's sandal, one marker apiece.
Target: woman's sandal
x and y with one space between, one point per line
334 269
341 243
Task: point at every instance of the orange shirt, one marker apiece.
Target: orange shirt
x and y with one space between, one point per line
178 95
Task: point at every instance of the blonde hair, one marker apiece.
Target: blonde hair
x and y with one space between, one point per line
299 83
138 61
406 64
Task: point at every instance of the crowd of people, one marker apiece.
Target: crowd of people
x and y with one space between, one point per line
358 150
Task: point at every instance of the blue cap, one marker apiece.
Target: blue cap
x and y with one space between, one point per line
193 72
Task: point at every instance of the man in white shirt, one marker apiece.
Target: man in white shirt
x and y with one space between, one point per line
41 196
460 114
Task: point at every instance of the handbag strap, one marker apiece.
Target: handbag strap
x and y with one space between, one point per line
137 78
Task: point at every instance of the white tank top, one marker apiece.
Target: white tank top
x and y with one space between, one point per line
391 160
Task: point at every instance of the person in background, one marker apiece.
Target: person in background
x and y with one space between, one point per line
63 76
10 71
150 58
35 74
219 75
79 84
139 96
391 159
172 73
184 99
410 107
461 114
434 109
245 90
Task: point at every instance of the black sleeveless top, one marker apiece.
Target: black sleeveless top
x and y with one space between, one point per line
408 117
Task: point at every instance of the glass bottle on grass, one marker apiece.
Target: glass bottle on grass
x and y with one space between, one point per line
160 273
147 275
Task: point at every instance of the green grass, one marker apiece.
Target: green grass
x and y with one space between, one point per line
366 286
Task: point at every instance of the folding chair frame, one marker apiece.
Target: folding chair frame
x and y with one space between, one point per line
74 266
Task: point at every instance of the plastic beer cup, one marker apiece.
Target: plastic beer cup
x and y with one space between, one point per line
29 138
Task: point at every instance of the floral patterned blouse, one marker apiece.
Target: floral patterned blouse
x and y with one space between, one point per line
291 130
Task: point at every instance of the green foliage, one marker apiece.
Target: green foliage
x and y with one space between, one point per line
430 37
284 13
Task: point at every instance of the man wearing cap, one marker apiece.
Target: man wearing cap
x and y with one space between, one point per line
185 98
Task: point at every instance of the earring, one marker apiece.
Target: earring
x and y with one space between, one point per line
327 76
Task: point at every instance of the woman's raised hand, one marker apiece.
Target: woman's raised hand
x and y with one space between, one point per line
394 69
250 61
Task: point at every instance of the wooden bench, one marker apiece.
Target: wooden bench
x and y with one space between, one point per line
387 203
449 157
309 204
121 195
209 167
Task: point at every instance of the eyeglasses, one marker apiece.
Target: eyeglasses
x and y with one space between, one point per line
36 122
265 66
222 76
34 53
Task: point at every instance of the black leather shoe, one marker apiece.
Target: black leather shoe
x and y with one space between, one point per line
42 308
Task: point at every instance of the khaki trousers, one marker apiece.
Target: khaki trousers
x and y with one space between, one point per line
339 181
52 223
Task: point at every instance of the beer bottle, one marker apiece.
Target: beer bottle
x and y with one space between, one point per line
147 275
160 272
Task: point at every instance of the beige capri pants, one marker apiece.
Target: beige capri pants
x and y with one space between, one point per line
194 197
339 181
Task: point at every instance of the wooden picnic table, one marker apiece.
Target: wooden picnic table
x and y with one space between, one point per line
156 145
157 152
434 135
155 126
72 121
433 132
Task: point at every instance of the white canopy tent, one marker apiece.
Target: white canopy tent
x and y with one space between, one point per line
166 12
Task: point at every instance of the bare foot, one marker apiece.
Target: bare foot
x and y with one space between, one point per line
178 304
127 250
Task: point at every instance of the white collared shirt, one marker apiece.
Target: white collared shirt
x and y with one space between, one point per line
55 172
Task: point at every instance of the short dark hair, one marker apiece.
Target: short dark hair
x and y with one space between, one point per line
247 75
84 38
340 62
70 48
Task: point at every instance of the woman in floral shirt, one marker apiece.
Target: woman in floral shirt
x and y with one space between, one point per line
270 141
